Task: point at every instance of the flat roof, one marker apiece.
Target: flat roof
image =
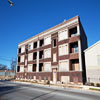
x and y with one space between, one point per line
71 19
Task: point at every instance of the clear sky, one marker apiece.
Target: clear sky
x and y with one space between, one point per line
30 17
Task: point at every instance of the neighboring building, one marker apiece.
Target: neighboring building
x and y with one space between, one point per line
55 54
92 60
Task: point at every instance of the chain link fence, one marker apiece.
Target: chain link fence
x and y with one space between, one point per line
4 74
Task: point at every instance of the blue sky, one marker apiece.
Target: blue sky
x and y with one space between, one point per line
30 17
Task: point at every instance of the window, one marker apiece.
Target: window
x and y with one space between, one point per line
63 66
30 46
35 45
19 50
47 66
47 53
41 43
29 67
62 35
74 65
18 58
22 49
21 68
40 67
25 62
34 67
26 51
22 58
40 54
54 43
30 56
34 55
73 32
75 49
54 57
18 68
47 40
63 49
98 57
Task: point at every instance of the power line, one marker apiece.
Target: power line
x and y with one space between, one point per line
5 59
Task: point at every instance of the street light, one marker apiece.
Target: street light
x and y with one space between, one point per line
11 3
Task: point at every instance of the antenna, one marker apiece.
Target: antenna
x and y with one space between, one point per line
64 20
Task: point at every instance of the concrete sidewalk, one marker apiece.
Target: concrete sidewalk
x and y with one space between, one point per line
64 86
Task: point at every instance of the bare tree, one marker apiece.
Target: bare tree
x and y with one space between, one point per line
13 64
3 67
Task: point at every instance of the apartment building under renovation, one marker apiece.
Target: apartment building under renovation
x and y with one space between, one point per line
55 54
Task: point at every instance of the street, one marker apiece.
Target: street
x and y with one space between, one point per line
21 91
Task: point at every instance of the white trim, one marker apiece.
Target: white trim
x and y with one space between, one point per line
63 60
49 32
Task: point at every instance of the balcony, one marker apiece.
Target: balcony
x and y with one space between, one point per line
74 65
74 47
73 32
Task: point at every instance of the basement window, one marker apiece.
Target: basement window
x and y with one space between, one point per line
54 43
40 54
35 45
34 55
41 43
73 32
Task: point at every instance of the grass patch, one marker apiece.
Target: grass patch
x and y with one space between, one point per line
94 89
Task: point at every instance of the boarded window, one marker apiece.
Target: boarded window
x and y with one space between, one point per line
54 57
63 66
47 53
30 56
65 79
63 50
62 35
47 40
30 46
25 62
22 58
29 67
47 67
21 68
22 49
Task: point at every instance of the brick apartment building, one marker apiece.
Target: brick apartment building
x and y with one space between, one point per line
55 54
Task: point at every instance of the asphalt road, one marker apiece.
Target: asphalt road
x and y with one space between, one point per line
20 91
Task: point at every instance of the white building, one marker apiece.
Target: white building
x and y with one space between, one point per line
92 60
